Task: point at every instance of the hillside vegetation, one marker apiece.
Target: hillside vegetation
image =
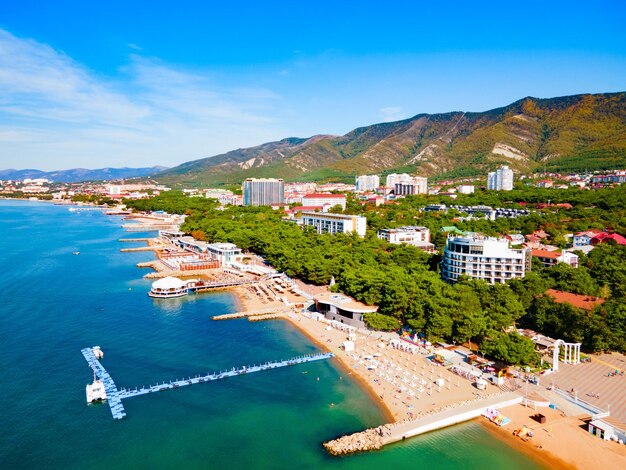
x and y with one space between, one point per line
573 133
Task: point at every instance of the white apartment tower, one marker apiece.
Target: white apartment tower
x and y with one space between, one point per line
486 258
367 182
501 179
403 184
263 192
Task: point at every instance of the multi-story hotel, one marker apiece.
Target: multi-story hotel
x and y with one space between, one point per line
411 235
322 199
335 223
487 258
367 182
263 192
501 179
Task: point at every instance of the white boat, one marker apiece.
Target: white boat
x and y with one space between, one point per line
76 252
97 352
95 391
169 287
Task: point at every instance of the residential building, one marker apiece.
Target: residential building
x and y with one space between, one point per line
367 182
584 238
487 258
501 179
465 189
263 191
411 235
412 185
616 177
334 223
408 184
550 258
322 199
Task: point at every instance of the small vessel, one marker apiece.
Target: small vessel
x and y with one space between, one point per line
95 391
76 252
97 352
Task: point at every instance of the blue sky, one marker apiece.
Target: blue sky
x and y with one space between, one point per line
121 83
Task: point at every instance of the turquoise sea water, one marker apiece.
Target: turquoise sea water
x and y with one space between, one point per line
55 303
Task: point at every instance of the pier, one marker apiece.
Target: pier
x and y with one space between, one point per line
376 438
115 395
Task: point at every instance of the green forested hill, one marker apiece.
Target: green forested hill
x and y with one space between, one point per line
571 133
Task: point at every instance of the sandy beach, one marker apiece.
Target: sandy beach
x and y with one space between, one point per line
407 385
561 443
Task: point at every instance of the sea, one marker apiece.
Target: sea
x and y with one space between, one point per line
56 302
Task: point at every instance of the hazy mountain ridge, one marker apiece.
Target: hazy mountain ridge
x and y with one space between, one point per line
77 175
567 133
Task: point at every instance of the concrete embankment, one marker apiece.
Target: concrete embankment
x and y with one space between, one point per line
141 248
376 438
264 314
270 316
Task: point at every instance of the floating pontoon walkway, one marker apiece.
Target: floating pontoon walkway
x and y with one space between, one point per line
115 396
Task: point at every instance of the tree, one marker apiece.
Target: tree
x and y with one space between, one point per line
510 348
380 322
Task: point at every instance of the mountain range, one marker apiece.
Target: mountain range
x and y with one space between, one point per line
76 175
571 133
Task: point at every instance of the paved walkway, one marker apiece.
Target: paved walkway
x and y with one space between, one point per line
450 416
593 383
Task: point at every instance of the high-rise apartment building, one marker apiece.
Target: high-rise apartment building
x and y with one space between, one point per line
263 191
501 179
403 184
367 182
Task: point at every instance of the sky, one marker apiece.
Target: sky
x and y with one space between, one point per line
142 83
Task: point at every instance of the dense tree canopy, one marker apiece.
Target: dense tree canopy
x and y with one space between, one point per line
404 282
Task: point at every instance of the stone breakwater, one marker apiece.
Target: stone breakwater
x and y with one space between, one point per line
376 438
370 439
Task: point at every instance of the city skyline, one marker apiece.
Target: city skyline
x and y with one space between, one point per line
130 87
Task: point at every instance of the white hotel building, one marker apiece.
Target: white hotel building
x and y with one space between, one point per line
411 235
486 258
334 223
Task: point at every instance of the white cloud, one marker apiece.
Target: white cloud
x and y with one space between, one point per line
55 113
391 113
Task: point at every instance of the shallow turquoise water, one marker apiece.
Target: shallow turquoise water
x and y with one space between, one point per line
55 303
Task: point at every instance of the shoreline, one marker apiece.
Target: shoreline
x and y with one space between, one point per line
362 383
396 406
545 458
